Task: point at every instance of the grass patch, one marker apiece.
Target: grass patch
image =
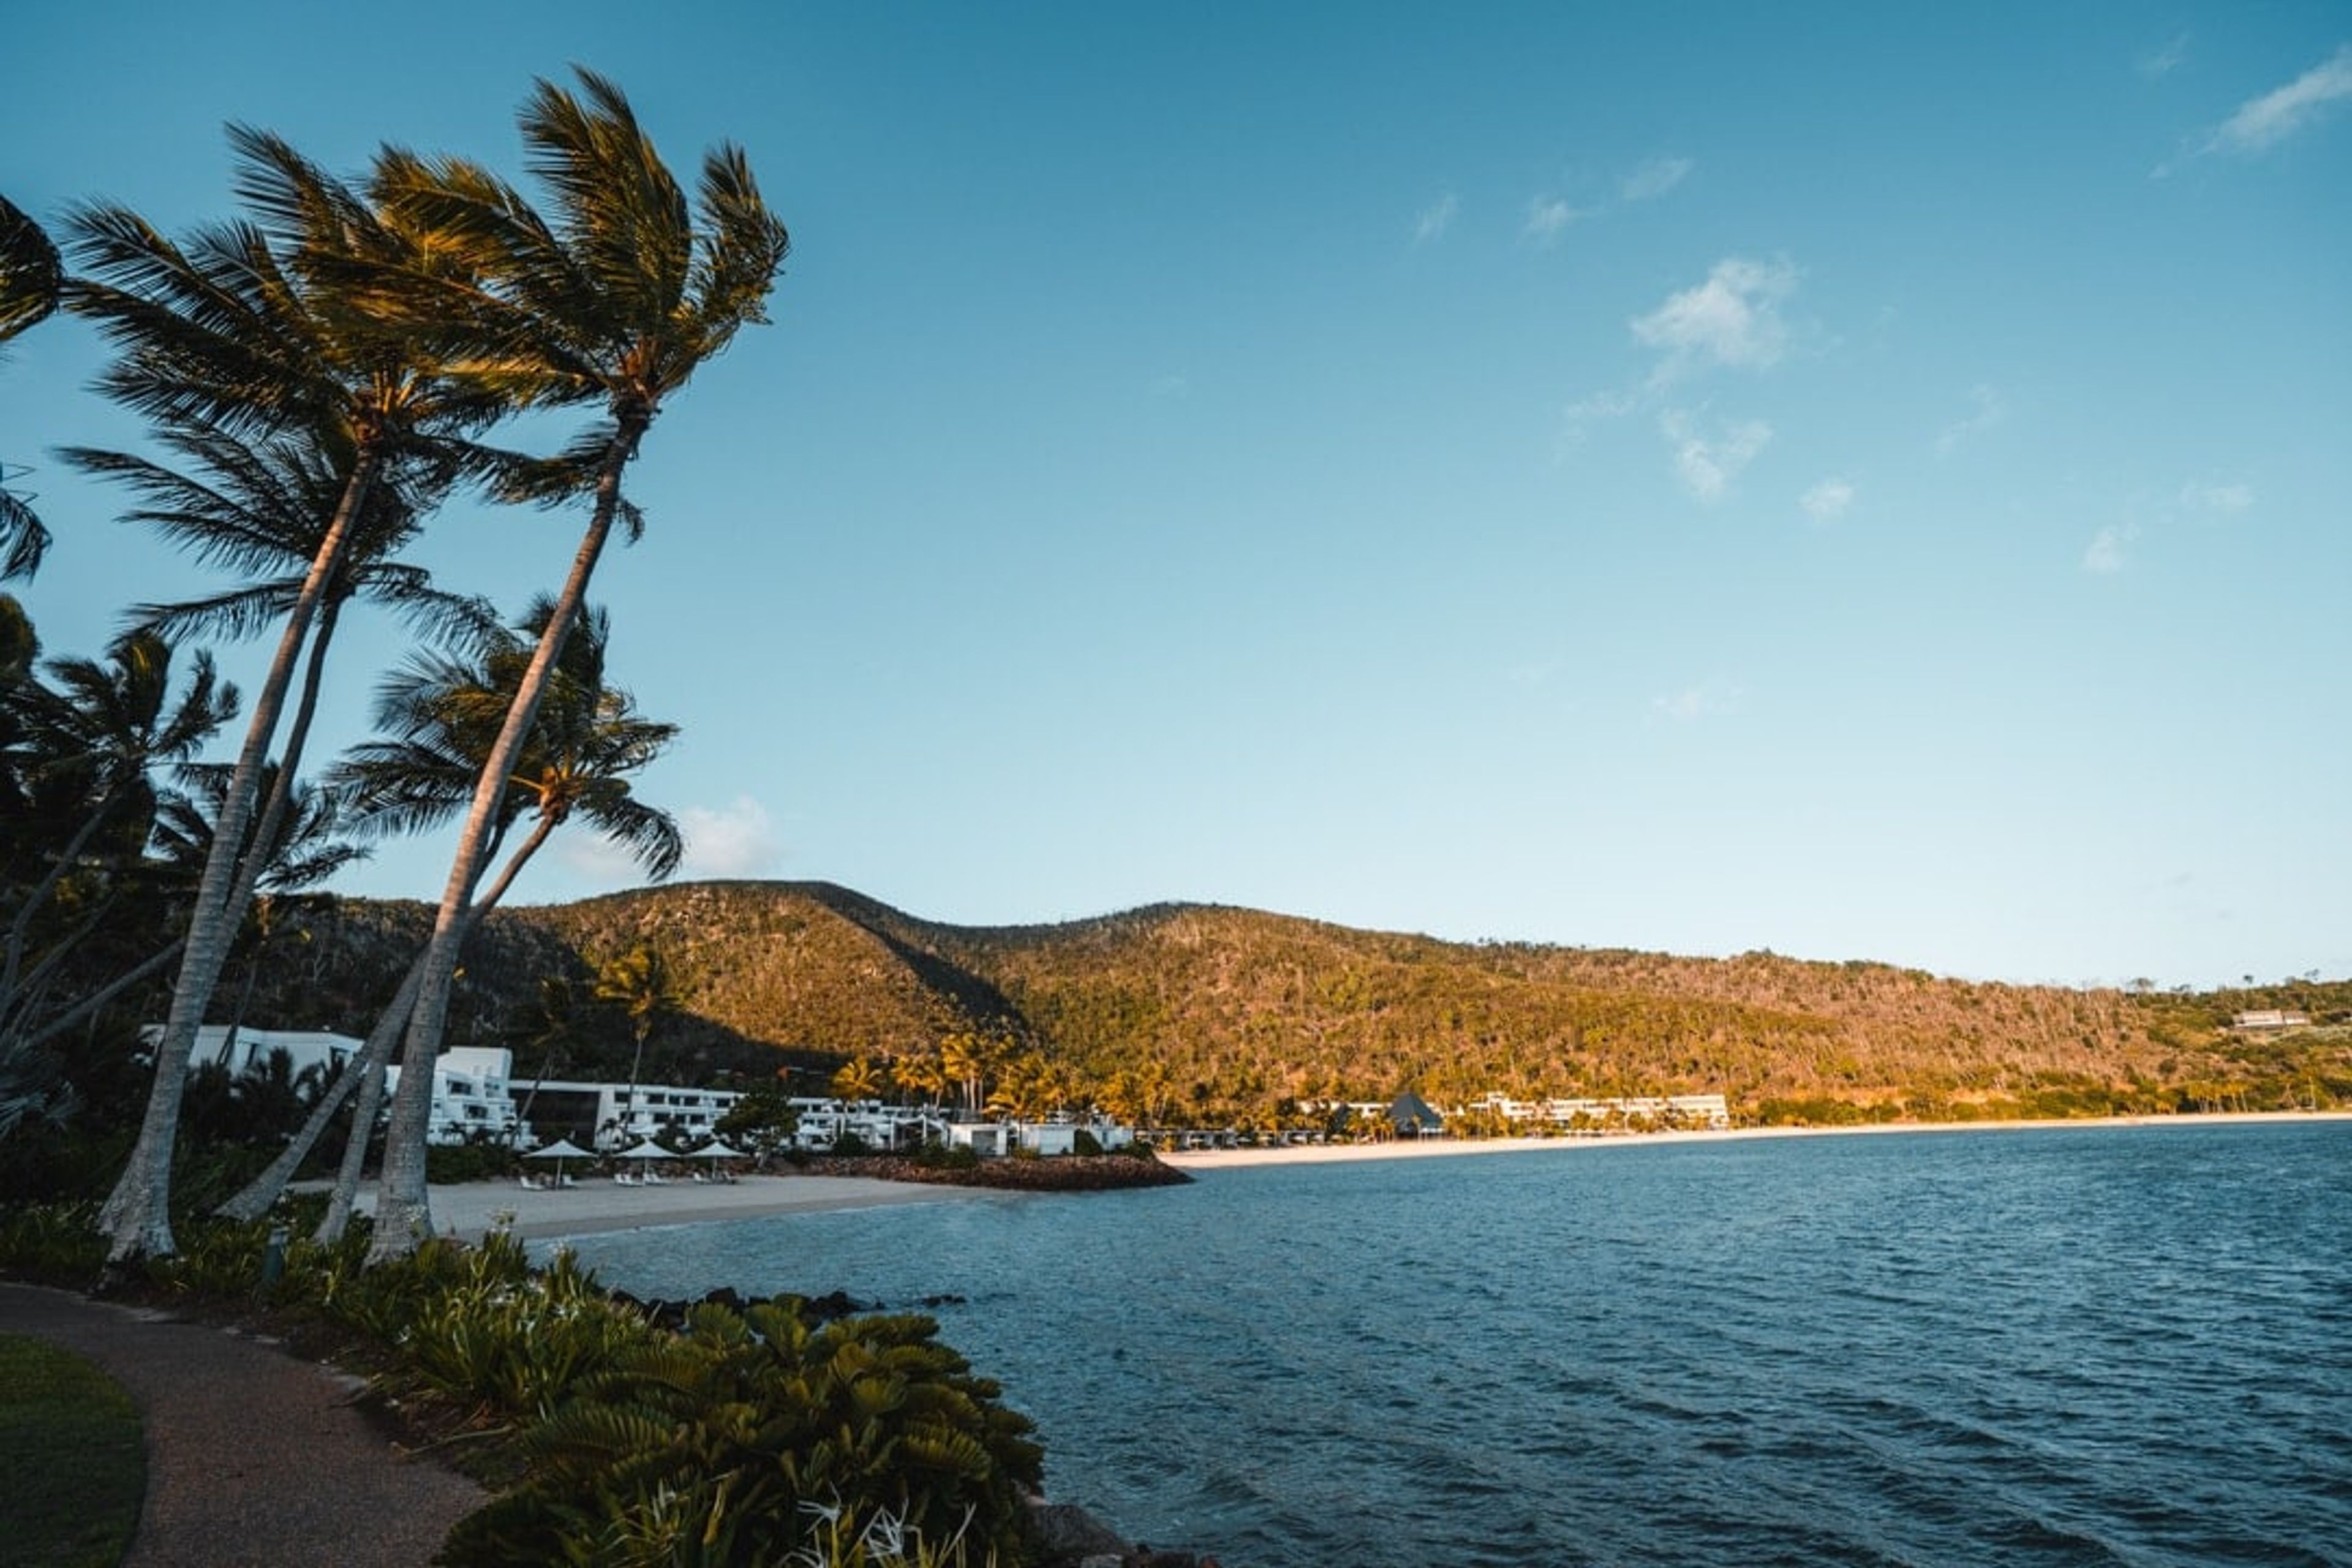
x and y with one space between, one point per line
71 1449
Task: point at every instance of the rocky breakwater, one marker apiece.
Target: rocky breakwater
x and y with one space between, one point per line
1057 1174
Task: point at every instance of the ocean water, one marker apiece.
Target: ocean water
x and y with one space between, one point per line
2030 1347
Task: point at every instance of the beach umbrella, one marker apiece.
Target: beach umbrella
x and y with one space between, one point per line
717 1148
646 1150
563 1149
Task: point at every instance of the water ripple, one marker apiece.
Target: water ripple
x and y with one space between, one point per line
2074 1347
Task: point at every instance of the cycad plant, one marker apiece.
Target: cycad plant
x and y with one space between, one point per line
757 1435
617 298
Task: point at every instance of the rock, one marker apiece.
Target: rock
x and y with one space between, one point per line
1067 1533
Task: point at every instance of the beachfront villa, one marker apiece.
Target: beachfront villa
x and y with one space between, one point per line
1693 1111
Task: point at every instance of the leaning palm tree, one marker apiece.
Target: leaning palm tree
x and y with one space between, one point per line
98 733
92 743
440 714
236 332
618 299
30 280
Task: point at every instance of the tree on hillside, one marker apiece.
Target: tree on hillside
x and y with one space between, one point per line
618 299
243 331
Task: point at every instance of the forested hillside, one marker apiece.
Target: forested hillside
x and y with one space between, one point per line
1222 1014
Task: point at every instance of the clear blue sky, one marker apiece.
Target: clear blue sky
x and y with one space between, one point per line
1868 481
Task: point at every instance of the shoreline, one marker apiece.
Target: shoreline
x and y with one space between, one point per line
470 1210
1438 1148
596 1204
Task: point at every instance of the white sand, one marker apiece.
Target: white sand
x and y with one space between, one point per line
1419 1148
598 1203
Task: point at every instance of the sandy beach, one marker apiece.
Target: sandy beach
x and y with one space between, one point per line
1425 1148
598 1203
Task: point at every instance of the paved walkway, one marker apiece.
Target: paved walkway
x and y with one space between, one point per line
255 1458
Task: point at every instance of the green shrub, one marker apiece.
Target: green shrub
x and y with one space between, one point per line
447 1163
850 1143
515 1342
760 1438
1085 1143
57 1243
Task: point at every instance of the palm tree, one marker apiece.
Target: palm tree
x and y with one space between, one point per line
637 983
30 280
441 713
81 801
619 299
235 333
857 1079
92 742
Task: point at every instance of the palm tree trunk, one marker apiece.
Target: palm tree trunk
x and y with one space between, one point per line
364 1072
137 1216
403 1209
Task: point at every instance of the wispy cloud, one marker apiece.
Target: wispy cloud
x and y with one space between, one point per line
2265 122
1546 215
1654 177
1692 703
1828 501
1987 412
1170 385
1587 411
2161 62
1436 218
1732 319
735 840
2216 498
2108 551
1709 462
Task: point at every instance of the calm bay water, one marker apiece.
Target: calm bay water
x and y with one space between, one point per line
2045 1347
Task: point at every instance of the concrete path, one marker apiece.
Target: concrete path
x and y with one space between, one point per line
254 1456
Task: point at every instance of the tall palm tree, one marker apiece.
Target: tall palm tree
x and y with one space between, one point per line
618 299
638 984
241 331
441 713
30 280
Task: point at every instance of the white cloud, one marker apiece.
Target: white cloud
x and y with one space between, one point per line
2159 63
1436 218
1546 215
1171 385
1654 177
2279 113
599 859
2106 553
1989 412
1693 702
1710 463
1733 318
736 841
2216 498
1828 501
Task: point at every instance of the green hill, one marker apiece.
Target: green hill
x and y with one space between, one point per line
1229 1013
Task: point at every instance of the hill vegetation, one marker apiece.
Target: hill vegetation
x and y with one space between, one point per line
1205 1015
